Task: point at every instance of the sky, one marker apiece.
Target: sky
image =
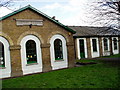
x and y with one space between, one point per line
68 12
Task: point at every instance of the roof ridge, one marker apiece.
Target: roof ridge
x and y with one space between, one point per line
41 13
87 26
4 17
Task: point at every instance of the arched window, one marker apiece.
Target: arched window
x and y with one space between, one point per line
31 55
5 62
58 52
115 43
58 49
105 44
31 52
2 57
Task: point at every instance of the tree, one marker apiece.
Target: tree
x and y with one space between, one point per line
5 3
9 3
106 12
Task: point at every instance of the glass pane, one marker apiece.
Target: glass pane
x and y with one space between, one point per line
2 57
105 44
82 51
31 52
94 43
115 43
58 49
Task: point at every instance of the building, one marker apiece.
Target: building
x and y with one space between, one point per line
91 42
32 42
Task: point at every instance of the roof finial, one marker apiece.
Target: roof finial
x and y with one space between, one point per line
53 17
29 5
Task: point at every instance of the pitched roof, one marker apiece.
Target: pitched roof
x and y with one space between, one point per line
94 31
39 12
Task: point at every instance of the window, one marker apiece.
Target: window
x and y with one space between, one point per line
31 55
58 52
2 57
94 43
31 52
115 43
58 49
105 44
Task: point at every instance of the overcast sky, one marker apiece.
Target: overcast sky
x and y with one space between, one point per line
68 12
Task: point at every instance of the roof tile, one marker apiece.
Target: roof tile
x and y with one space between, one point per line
94 31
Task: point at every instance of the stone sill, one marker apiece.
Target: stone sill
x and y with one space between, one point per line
95 51
31 64
59 60
2 67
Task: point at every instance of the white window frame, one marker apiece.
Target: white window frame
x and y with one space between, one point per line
106 52
115 51
31 68
58 64
95 54
78 47
6 71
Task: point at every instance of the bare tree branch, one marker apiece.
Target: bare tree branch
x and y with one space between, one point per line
5 3
106 12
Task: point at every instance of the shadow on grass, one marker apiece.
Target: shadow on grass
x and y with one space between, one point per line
86 63
110 61
115 63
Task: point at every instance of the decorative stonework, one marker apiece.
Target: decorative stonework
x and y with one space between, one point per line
57 32
29 33
6 37
22 22
15 47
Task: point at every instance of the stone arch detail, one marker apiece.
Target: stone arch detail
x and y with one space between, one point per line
29 33
2 34
59 33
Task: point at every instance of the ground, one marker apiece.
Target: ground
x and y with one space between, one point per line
104 74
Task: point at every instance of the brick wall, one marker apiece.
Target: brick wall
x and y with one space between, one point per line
14 35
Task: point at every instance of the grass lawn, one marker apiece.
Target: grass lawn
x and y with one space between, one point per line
100 75
112 56
118 55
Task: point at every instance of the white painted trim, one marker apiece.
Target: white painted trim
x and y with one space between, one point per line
106 53
78 47
95 54
31 68
6 72
29 22
115 51
58 64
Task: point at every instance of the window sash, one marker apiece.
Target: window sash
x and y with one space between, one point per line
105 44
2 56
58 49
31 54
115 44
94 44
